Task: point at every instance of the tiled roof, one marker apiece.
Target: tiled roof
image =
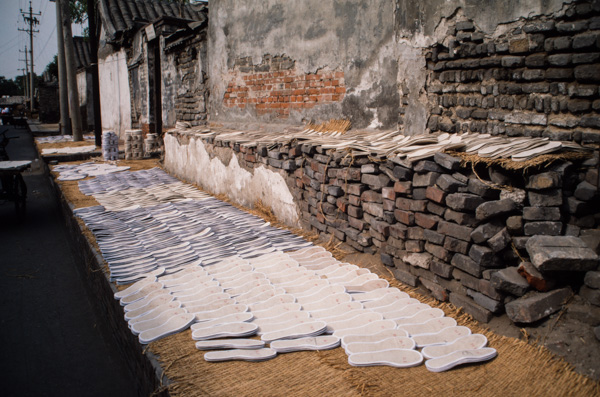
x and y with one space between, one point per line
122 16
82 52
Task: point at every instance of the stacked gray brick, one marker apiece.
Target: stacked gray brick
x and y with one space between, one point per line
438 225
539 79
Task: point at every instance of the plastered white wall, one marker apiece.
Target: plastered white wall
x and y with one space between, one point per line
82 87
115 100
192 163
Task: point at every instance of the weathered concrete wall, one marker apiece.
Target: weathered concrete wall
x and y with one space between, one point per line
352 41
86 105
115 100
218 170
184 79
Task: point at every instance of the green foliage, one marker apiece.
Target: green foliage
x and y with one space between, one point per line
9 87
52 67
78 11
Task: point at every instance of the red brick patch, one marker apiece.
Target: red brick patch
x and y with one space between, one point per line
278 92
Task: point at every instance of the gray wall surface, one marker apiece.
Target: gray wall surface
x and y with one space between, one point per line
352 36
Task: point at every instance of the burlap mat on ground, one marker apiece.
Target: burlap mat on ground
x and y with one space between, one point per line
519 369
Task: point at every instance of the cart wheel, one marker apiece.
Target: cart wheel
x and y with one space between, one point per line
20 194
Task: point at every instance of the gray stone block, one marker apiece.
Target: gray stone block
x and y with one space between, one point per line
514 224
433 236
447 161
543 228
486 302
591 295
335 191
484 232
402 173
500 240
509 280
591 238
537 305
545 180
456 231
549 198
439 252
466 264
373 209
550 253
376 181
541 213
414 245
404 277
585 191
424 180
578 207
369 169
592 279
462 218
483 256
422 260
495 208
437 291
482 189
448 183
427 166
463 201
516 195
440 268
478 312
455 245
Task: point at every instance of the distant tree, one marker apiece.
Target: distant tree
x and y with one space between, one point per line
20 82
9 87
78 11
52 67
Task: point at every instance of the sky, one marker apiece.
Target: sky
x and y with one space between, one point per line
12 40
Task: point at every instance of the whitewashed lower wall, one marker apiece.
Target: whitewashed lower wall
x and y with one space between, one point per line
192 163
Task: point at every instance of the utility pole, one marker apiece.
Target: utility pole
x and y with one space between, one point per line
24 70
31 20
65 121
95 80
71 77
25 85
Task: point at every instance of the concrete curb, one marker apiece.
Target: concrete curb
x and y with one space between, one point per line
143 364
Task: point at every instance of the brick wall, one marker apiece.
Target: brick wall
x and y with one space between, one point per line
274 86
437 224
541 78
192 94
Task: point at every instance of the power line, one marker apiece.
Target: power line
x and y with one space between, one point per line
31 20
9 41
10 48
45 44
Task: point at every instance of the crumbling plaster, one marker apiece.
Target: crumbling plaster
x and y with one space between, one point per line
352 36
188 158
420 21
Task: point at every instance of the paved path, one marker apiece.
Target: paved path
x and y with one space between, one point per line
52 342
